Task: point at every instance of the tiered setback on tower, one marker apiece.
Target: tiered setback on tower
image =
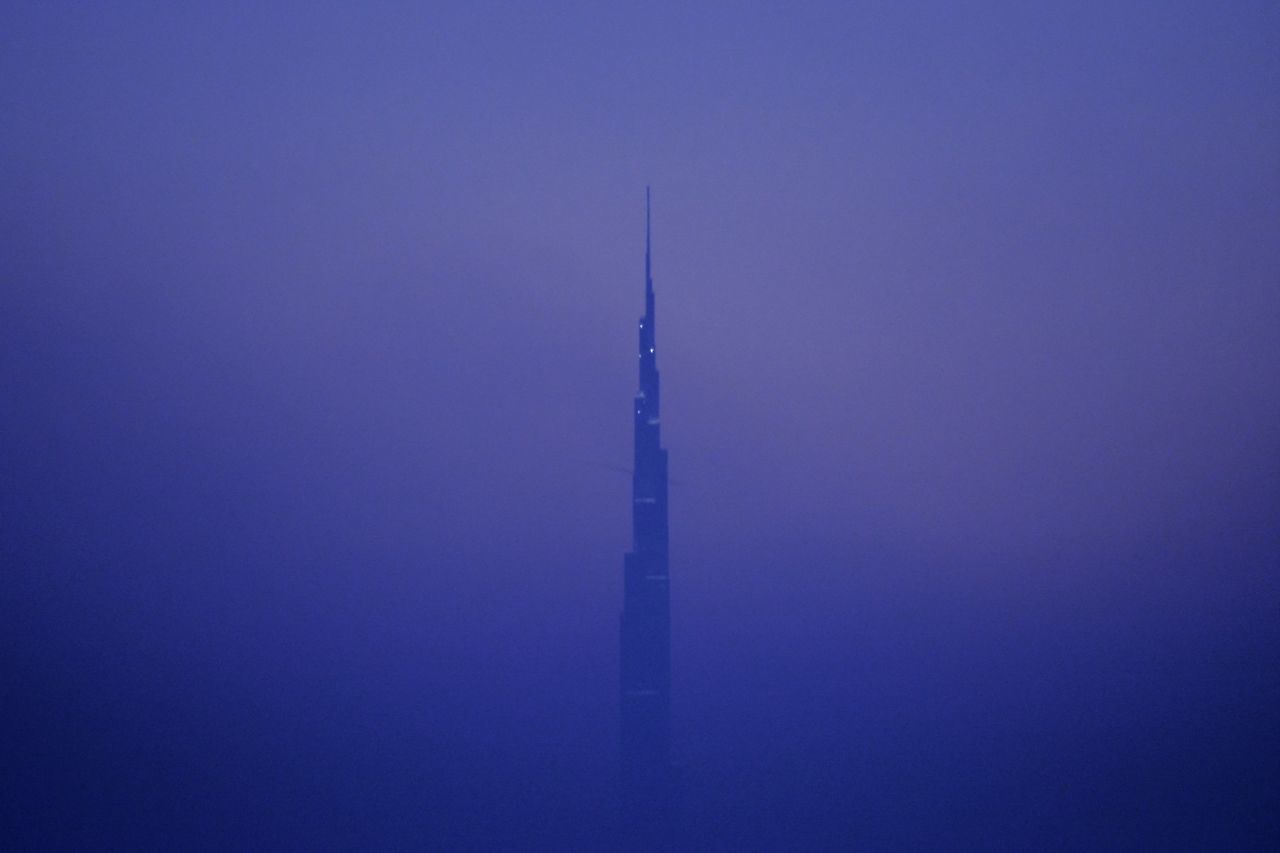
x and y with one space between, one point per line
646 612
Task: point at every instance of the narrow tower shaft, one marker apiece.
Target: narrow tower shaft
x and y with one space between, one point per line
646 614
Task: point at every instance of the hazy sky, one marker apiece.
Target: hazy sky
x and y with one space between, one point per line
317 346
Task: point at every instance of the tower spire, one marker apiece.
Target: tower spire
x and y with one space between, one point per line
646 609
648 276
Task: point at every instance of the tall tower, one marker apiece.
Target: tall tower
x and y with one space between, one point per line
646 610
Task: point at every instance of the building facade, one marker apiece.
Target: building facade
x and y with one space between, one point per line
646 608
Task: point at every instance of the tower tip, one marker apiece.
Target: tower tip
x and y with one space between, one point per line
648 281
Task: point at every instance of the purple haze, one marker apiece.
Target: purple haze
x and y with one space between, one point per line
317 348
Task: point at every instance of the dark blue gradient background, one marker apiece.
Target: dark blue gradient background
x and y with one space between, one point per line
316 354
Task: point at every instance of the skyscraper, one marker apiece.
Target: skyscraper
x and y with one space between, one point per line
646 611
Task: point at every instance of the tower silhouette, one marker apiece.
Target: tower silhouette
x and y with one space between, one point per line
646 611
